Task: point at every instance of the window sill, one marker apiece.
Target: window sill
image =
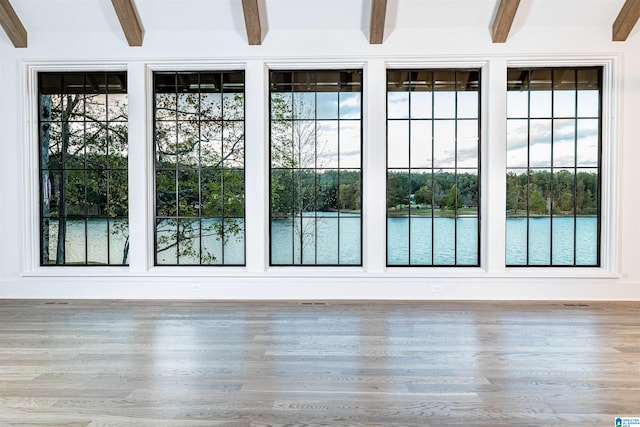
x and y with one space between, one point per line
329 272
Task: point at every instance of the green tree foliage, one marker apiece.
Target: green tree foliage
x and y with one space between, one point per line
453 200
564 192
84 165
398 190
301 181
199 172
516 196
296 147
432 189
350 196
424 195
537 202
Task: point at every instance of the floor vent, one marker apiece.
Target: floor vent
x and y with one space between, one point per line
576 305
314 303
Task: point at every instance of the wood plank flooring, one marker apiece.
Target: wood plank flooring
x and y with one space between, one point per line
258 364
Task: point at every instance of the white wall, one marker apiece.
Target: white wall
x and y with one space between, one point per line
20 277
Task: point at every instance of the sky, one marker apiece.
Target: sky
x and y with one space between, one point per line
558 129
555 125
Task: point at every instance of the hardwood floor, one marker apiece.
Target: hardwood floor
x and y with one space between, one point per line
255 364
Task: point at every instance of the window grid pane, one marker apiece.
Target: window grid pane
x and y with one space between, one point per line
83 168
433 165
199 168
553 167
316 168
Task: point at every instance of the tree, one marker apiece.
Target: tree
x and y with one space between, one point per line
350 196
397 189
515 194
537 202
77 148
296 146
467 184
45 183
199 171
424 195
209 139
453 201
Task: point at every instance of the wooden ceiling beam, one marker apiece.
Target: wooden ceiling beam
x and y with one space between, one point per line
252 21
378 16
626 20
12 24
129 21
503 20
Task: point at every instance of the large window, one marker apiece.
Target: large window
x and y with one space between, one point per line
433 167
553 167
83 168
316 172
199 168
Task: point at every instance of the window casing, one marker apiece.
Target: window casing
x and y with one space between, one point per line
83 164
433 165
199 168
554 140
316 167
608 195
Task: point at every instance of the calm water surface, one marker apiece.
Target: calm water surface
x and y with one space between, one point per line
334 240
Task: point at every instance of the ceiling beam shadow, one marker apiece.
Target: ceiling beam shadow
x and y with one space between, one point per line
503 20
129 21
626 20
12 25
252 21
378 17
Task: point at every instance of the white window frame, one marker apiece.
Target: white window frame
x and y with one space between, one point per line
145 260
609 263
31 167
374 271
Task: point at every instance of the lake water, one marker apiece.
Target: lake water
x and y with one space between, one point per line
411 241
559 250
543 250
326 240
333 240
94 241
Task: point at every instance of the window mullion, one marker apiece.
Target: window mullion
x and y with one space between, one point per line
493 181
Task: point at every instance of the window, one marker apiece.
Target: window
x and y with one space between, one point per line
316 173
553 167
433 167
199 168
83 168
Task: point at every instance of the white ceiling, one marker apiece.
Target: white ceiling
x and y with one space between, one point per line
42 16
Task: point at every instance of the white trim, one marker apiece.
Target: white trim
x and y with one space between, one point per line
180 66
609 170
436 64
140 168
149 182
297 64
321 273
31 151
374 158
256 159
315 288
212 270
493 166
